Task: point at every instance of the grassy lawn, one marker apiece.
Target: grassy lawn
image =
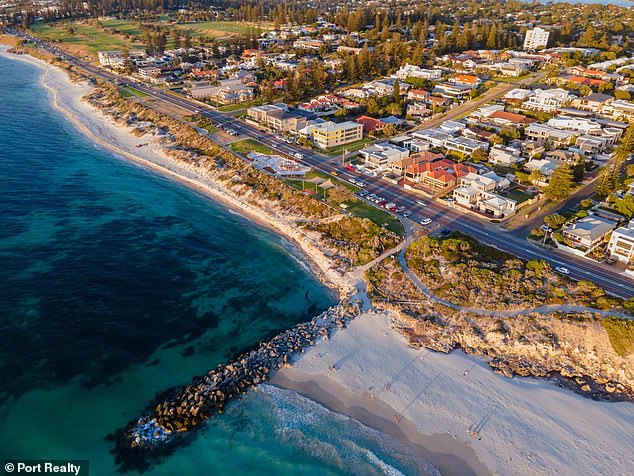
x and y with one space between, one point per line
518 196
86 39
129 91
360 144
220 28
355 206
247 145
378 216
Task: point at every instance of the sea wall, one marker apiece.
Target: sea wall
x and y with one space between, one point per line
184 408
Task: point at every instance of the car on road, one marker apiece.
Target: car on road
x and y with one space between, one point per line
297 155
445 233
426 221
334 172
280 138
562 270
421 203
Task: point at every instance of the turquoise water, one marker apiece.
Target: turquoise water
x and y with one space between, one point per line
118 284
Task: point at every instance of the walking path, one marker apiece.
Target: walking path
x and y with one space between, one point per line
545 309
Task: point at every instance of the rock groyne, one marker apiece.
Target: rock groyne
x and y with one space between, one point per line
184 408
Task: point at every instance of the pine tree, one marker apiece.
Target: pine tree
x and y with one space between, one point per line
560 183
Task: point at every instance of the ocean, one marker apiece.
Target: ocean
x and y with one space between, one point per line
117 284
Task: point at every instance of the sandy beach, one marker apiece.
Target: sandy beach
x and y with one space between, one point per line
66 97
524 426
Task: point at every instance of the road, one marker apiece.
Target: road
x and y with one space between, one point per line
463 109
612 281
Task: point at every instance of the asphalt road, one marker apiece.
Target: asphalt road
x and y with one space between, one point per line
612 281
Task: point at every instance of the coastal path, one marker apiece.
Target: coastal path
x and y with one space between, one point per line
545 309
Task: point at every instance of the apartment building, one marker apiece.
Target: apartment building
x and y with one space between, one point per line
381 155
329 134
536 38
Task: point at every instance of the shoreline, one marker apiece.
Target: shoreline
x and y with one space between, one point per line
464 418
66 98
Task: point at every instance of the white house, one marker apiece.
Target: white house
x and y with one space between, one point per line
548 100
412 71
621 246
506 156
381 155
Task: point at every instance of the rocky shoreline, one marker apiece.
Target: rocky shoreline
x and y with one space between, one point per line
182 409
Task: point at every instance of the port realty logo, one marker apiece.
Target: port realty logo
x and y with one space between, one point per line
76 468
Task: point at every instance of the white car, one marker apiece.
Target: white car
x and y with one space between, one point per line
562 270
407 214
360 184
297 155
426 221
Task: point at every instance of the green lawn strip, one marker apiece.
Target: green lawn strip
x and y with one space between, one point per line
129 91
351 147
247 145
378 216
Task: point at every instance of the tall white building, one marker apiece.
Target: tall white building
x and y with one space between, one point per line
536 38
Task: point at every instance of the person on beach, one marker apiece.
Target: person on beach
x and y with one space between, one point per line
396 419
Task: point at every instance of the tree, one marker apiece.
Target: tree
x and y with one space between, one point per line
555 220
479 155
396 95
390 130
625 206
560 183
621 94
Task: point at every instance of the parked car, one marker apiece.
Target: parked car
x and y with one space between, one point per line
351 168
400 209
445 233
546 228
360 184
407 214
562 270
426 221
363 193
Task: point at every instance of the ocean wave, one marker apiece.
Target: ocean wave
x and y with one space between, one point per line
337 439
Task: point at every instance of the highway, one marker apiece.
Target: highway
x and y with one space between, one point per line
442 215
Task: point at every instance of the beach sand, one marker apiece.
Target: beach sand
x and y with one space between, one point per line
66 97
525 426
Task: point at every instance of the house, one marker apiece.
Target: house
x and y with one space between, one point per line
592 102
400 166
465 145
619 109
437 175
505 156
412 71
416 145
567 123
542 133
560 155
466 79
476 192
228 91
517 96
543 166
504 119
329 134
547 100
621 245
452 91
587 232
581 81
418 110
477 133
382 154
371 125
417 94
385 87
435 137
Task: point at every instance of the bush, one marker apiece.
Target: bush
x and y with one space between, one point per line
621 334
